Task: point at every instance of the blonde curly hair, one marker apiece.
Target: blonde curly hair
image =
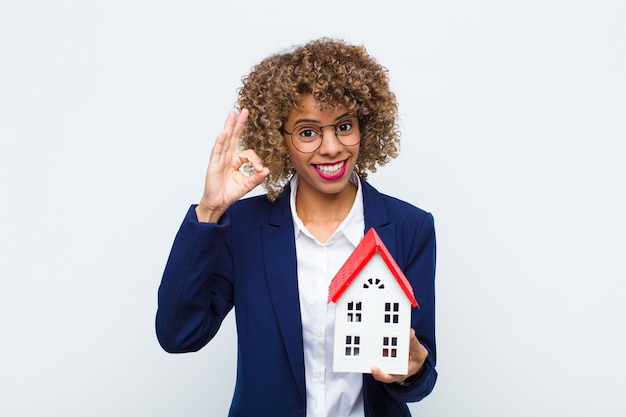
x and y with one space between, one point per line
337 74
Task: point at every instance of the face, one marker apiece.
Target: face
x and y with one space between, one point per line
327 169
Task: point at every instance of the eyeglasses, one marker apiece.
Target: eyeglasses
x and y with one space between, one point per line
307 137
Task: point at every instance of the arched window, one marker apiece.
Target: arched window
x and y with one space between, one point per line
374 283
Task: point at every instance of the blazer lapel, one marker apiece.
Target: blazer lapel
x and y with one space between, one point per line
376 216
279 259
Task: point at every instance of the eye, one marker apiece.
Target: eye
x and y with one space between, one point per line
307 133
344 127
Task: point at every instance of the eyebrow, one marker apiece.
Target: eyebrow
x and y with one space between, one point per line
347 114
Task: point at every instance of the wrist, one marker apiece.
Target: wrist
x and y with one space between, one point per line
206 215
411 378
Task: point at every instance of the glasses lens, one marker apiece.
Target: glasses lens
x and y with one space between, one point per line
347 131
307 138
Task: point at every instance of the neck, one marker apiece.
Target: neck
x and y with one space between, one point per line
322 213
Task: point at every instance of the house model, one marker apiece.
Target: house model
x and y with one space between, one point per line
373 311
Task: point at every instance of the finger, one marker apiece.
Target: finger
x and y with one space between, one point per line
417 354
417 351
260 172
237 130
248 155
413 342
378 374
227 132
240 123
381 376
257 178
218 148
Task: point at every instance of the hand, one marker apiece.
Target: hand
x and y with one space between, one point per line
225 183
417 357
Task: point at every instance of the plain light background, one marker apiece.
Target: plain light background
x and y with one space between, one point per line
514 137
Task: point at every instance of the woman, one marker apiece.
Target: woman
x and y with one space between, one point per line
312 122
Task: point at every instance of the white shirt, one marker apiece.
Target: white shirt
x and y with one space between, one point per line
328 393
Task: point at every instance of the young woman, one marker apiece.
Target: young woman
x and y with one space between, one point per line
312 122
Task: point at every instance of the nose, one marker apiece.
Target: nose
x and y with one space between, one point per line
330 142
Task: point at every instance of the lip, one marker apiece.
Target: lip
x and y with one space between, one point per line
327 173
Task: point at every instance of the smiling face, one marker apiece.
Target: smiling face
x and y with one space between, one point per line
327 169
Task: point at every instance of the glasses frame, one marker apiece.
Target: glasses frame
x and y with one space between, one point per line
321 128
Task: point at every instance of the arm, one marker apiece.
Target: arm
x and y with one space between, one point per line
196 289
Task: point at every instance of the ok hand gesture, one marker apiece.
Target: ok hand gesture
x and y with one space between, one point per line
225 183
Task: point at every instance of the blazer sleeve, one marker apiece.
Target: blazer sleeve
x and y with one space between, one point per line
196 290
419 253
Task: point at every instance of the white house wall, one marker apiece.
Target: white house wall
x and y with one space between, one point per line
371 329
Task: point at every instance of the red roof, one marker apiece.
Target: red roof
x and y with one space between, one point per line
369 245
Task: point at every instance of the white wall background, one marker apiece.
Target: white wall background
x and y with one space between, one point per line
513 114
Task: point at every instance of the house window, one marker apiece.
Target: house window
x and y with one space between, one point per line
389 347
354 311
353 345
374 283
392 313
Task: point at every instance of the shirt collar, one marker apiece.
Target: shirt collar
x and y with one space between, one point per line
351 227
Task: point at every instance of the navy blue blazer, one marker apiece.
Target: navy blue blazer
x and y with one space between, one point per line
248 260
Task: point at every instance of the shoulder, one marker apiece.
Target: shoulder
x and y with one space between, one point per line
247 206
403 206
259 209
253 203
394 208
408 229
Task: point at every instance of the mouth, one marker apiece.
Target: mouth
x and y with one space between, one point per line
331 171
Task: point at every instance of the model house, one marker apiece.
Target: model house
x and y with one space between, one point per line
373 311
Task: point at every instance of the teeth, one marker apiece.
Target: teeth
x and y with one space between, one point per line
330 169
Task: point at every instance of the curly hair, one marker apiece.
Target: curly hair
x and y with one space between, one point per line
338 75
